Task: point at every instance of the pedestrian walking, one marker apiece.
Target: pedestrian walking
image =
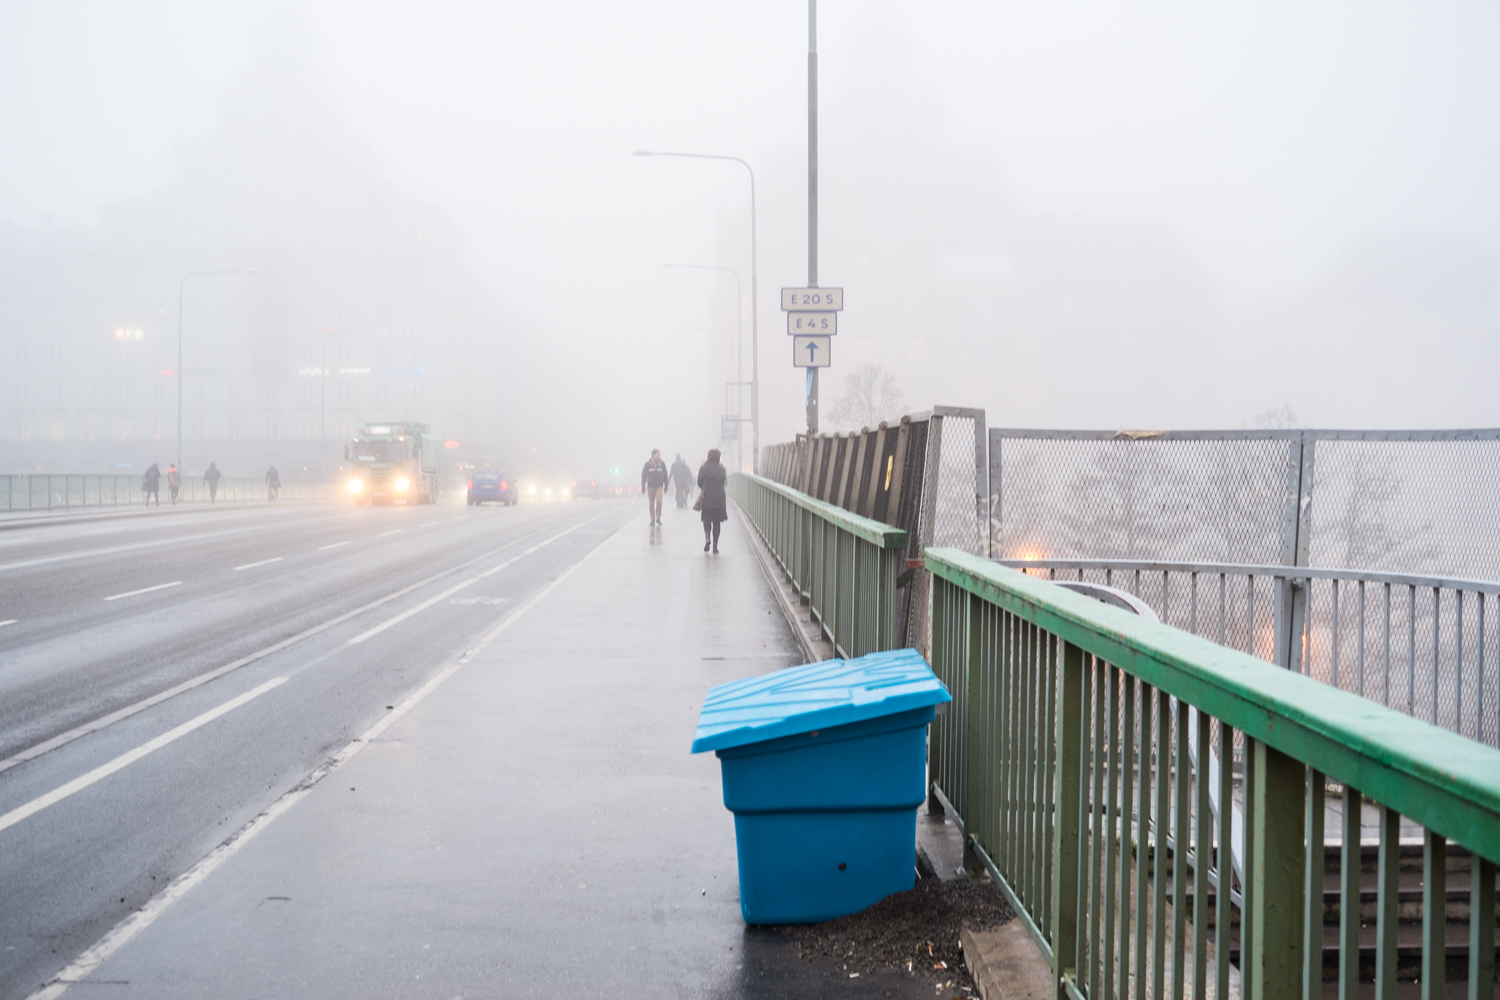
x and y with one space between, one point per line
654 476
174 482
682 481
273 483
212 477
713 501
151 485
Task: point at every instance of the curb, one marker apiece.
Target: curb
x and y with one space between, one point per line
815 645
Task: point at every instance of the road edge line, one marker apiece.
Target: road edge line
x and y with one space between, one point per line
127 929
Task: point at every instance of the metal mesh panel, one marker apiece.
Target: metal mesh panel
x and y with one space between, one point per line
1408 503
956 521
1190 496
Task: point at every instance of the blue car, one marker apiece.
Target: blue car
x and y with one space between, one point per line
491 487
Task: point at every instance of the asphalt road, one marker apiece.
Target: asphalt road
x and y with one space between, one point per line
164 679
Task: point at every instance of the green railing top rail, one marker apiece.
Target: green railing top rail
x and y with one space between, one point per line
1447 783
875 532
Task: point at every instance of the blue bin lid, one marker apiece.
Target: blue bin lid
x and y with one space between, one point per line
816 696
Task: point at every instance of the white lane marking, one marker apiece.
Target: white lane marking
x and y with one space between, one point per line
78 732
103 771
10 621
144 590
394 531
428 524
263 562
155 544
398 619
460 517
126 930
335 545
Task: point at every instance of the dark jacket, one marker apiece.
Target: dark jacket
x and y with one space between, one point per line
682 476
654 473
711 479
151 479
213 475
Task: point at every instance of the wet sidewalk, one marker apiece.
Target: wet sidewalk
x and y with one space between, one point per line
534 827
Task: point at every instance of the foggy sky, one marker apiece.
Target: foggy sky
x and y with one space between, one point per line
1158 216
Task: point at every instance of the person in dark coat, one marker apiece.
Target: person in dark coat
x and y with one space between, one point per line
682 480
151 485
212 477
711 479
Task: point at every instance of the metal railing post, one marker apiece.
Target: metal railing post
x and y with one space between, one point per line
1067 829
1277 874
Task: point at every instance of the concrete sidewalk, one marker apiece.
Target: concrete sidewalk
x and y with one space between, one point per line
534 827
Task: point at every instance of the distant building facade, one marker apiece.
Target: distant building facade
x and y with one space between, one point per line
358 308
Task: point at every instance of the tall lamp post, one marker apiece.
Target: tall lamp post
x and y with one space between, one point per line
181 286
754 300
739 337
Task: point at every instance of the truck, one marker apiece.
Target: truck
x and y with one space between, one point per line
393 462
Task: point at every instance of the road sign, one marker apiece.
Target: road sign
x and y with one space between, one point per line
825 323
729 428
793 299
812 351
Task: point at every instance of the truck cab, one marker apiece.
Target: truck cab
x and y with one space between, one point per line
393 463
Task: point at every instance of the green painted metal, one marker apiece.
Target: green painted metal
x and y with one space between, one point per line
1447 783
1277 874
1349 863
1434 915
1387 903
1067 832
875 532
1312 886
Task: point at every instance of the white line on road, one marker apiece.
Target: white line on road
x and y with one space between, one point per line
10 621
427 524
394 531
398 619
335 545
144 590
154 544
126 930
78 732
263 562
78 784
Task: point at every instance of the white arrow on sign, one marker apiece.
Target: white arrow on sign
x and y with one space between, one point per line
815 351
812 322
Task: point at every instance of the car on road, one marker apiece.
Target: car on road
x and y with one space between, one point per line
491 487
591 489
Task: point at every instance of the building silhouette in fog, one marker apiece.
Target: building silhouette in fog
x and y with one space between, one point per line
359 309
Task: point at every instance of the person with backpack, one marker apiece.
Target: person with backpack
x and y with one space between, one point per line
654 476
174 482
151 485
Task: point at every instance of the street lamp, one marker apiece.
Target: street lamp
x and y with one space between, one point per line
739 340
754 303
181 285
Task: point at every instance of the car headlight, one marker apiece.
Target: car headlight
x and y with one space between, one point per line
547 492
565 491
355 485
402 484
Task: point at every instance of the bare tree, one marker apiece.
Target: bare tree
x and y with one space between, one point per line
1130 502
1371 527
870 396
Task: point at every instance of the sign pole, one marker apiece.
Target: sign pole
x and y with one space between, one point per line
812 191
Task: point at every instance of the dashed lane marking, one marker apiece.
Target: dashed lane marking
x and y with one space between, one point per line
335 545
144 590
103 771
10 621
263 562
127 929
393 531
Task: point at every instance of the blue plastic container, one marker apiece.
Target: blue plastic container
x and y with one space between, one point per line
824 766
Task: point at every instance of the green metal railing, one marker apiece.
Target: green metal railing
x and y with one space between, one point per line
845 566
1067 755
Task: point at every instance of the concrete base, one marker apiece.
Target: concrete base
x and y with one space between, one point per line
1006 963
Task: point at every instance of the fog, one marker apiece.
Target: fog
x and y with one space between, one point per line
1071 215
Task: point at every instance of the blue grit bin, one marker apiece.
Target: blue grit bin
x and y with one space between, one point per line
824 766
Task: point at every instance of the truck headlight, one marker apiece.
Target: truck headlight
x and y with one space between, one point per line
356 485
402 484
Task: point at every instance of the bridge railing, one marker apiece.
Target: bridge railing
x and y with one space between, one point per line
1067 758
58 492
845 566
1427 646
